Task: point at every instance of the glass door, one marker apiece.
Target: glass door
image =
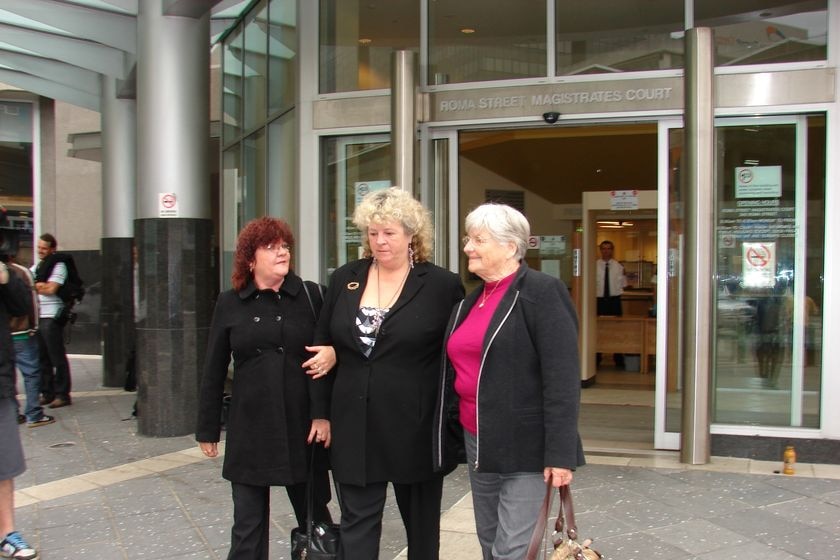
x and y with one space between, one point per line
668 408
769 250
767 316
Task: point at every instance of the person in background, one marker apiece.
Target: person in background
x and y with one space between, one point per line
55 368
609 285
511 379
14 301
385 315
27 356
276 410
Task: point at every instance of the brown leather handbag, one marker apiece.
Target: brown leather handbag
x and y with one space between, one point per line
566 546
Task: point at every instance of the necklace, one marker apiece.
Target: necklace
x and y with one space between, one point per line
379 312
486 295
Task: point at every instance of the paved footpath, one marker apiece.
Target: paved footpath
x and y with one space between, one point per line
97 490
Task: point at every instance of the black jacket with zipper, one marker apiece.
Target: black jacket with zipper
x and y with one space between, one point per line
529 382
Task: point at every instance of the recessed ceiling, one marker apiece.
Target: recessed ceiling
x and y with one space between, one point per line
560 163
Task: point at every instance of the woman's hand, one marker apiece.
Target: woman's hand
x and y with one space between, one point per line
321 363
559 476
320 432
209 448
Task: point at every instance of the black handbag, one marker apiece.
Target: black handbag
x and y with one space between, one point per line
316 541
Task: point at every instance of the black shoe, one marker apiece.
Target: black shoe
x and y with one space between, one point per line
21 419
42 421
45 400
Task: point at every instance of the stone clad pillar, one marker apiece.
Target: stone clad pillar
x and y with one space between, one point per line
119 176
173 230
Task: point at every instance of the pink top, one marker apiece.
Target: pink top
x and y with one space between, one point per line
465 345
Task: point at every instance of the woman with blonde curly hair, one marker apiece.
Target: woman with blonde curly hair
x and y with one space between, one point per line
385 316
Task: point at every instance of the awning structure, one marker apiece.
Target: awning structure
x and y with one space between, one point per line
61 48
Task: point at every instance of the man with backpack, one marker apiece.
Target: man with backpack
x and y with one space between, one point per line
53 274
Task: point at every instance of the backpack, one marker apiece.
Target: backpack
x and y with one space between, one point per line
29 322
73 289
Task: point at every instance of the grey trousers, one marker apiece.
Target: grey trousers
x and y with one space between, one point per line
506 507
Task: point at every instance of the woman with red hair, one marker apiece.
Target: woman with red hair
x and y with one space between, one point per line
264 323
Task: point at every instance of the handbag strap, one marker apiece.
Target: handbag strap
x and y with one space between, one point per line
310 495
565 518
538 535
567 508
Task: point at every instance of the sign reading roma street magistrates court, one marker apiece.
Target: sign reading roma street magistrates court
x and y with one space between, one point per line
564 98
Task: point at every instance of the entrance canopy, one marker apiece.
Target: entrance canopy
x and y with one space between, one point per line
61 48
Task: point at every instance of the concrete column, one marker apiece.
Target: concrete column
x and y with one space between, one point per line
173 230
698 287
119 180
403 120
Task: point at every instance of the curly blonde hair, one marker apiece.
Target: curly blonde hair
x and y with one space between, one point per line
396 205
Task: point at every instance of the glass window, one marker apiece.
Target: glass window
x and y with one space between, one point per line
256 43
232 87
232 210
281 169
770 249
282 42
481 40
352 167
357 39
766 31
604 36
254 176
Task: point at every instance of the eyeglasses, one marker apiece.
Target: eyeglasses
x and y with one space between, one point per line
277 247
476 241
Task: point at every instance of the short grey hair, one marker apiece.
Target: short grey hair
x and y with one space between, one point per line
504 223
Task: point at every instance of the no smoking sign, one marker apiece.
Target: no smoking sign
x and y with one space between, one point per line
167 205
759 264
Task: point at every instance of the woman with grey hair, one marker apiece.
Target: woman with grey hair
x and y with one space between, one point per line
510 382
385 316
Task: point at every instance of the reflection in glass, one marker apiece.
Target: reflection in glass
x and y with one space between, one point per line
352 167
480 40
357 39
768 31
282 42
232 207
253 199
232 87
673 280
604 36
767 364
281 169
254 79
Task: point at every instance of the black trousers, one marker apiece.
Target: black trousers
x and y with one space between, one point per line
251 509
55 369
361 518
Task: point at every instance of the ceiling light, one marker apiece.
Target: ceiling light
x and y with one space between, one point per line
364 41
467 30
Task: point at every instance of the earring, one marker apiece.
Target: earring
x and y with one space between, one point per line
410 256
251 267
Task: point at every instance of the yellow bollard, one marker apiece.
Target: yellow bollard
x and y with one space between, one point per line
789 457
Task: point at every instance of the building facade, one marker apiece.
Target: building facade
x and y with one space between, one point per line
574 113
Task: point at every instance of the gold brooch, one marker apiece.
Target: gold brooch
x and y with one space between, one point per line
353 286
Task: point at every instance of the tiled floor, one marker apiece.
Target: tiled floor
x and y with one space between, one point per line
97 490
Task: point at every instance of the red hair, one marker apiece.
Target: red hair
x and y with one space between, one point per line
257 233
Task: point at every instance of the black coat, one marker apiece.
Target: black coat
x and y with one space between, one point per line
529 385
273 399
383 405
15 300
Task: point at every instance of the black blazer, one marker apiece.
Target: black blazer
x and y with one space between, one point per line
383 405
529 385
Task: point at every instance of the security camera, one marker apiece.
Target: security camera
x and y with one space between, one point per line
551 117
